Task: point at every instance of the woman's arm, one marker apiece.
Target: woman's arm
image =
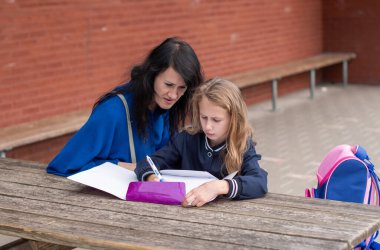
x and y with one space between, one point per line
92 145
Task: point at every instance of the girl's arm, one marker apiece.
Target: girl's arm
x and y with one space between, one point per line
205 193
168 157
252 182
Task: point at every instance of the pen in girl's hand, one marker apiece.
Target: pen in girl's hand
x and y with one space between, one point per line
154 168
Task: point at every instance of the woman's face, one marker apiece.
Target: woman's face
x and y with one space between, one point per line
168 88
215 121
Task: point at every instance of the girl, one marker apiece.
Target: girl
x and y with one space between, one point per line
219 142
157 95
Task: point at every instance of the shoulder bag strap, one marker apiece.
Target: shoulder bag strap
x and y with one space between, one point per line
131 144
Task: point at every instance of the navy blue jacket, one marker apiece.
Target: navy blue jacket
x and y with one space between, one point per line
191 152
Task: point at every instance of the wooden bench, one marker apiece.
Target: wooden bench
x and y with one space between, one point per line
39 130
277 72
54 126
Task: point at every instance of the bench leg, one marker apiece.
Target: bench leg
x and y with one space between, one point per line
274 94
16 244
37 245
312 83
345 73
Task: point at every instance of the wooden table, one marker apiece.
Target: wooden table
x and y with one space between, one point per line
43 207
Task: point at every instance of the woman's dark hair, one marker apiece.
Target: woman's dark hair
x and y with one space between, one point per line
174 53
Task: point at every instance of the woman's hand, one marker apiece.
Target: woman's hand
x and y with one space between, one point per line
205 193
130 166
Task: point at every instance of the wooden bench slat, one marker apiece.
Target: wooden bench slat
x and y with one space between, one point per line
292 68
39 130
60 232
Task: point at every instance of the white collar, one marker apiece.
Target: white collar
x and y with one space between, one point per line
208 147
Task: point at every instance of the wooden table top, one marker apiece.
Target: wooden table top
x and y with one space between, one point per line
39 206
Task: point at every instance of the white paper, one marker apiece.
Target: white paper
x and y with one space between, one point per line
192 179
108 177
187 173
113 179
230 176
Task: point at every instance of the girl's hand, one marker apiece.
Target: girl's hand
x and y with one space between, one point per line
152 177
205 193
130 166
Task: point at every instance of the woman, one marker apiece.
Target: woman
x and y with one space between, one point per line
157 95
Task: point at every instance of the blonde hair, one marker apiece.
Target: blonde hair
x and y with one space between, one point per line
226 95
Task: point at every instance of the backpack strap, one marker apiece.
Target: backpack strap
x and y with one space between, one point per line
311 193
375 192
361 153
375 246
131 144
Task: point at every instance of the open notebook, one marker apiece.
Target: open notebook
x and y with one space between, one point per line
115 180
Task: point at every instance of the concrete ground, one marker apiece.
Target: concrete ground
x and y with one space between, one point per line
294 139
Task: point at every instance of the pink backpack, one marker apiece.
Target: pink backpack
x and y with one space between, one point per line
346 174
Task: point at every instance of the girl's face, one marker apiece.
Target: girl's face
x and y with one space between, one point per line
215 121
168 88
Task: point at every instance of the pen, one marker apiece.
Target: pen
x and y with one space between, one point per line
154 168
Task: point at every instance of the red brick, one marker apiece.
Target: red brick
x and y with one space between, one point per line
352 26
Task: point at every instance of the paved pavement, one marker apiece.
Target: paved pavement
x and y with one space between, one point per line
294 139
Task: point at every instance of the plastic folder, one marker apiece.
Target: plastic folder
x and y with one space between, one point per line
169 193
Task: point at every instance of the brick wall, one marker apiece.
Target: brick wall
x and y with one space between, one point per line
354 26
58 56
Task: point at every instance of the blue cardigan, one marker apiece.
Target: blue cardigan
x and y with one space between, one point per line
192 152
104 138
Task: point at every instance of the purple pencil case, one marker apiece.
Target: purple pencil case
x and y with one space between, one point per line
168 193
